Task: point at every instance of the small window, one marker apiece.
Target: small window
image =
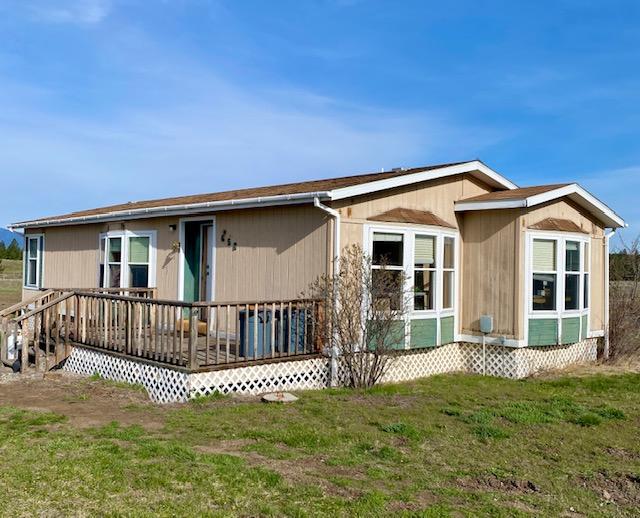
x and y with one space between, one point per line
387 249
424 274
33 252
572 275
448 273
114 262
544 275
387 275
139 262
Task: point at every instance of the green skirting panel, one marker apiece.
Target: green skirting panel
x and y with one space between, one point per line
543 331
424 332
585 326
570 330
395 338
446 330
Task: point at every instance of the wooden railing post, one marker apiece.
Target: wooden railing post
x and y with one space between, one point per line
24 363
193 338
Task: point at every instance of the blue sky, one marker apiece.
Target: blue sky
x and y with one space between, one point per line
104 101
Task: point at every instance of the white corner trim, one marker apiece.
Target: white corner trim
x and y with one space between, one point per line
573 191
467 167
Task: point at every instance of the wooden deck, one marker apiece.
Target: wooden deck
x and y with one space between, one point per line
190 336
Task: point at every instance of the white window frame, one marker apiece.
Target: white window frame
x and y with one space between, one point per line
559 312
125 235
409 233
39 262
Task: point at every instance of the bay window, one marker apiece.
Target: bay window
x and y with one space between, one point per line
127 259
426 261
33 260
558 277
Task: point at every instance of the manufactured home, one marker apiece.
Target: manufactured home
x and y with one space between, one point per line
205 289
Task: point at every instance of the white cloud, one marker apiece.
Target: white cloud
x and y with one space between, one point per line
82 12
186 129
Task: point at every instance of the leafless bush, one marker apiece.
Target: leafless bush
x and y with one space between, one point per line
364 313
624 302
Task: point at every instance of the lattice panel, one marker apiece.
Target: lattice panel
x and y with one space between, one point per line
422 363
256 379
556 357
500 361
163 385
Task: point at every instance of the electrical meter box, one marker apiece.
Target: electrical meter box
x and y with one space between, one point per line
486 324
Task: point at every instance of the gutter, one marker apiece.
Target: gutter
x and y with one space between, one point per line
168 210
336 234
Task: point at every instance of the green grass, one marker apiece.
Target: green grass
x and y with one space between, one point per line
451 445
10 283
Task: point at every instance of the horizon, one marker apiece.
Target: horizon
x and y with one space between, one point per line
108 101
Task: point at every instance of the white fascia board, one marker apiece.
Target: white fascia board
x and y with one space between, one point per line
176 210
461 206
582 197
399 181
573 191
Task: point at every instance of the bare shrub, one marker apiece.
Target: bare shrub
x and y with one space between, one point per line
624 302
364 315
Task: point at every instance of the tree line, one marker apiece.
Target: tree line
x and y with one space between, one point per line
11 252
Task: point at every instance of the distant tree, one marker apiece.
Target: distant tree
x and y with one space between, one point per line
14 251
3 250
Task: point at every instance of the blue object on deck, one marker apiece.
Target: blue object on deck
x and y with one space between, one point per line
294 331
250 347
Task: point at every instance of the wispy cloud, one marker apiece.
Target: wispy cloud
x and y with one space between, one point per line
83 12
186 128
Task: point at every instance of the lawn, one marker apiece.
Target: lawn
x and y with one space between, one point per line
448 445
10 282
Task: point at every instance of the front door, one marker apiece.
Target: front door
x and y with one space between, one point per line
198 260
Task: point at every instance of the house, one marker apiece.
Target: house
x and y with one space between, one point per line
470 241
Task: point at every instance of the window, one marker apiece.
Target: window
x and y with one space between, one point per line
544 275
139 262
127 259
585 279
424 273
33 257
572 275
448 292
559 274
387 265
424 261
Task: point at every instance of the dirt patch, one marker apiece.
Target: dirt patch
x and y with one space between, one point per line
621 453
493 483
85 402
620 488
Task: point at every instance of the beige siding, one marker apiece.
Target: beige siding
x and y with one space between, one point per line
566 209
437 196
490 270
71 254
281 250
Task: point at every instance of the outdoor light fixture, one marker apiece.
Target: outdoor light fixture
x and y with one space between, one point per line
172 228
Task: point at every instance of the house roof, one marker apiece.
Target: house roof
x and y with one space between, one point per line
301 192
419 217
538 194
563 225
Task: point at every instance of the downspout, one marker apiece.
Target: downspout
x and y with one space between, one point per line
607 237
333 376
336 231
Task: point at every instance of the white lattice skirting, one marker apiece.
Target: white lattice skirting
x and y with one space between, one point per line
166 385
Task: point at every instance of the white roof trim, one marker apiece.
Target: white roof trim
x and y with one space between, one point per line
572 191
475 166
176 210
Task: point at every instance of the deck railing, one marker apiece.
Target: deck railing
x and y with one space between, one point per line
192 336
